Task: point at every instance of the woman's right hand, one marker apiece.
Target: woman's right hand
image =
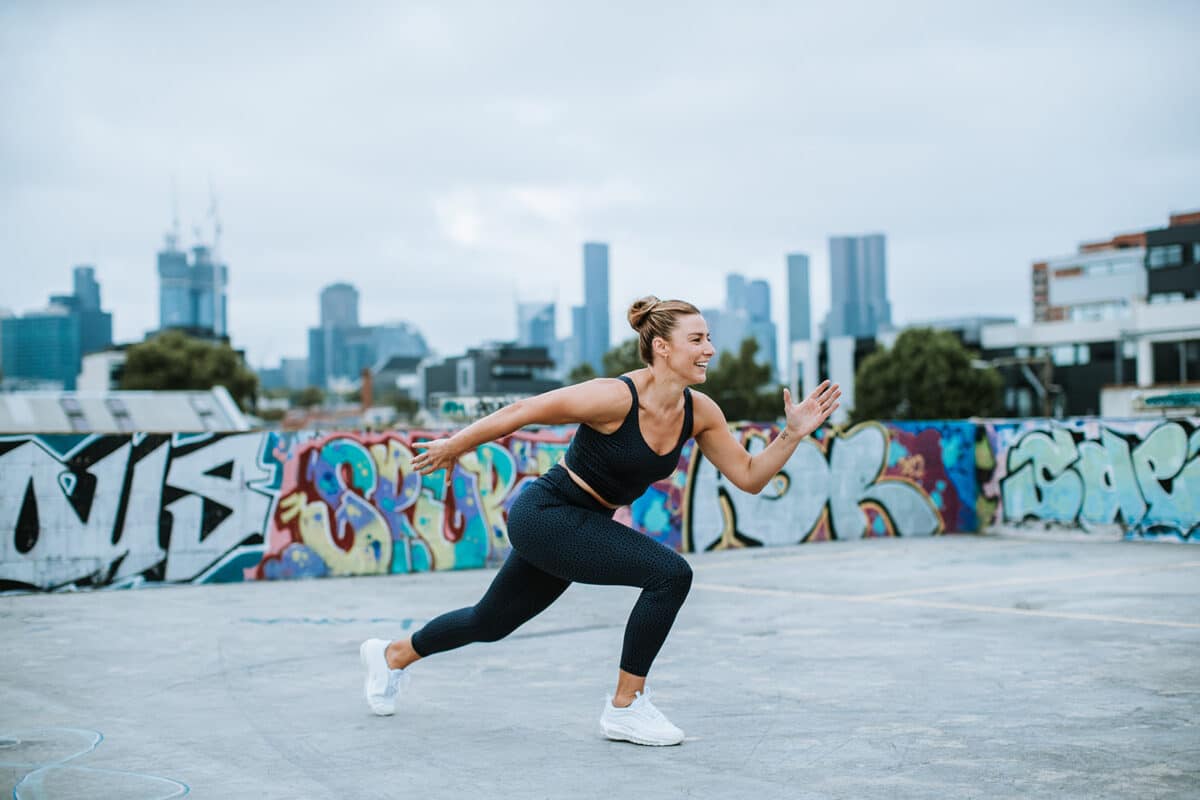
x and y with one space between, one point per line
438 454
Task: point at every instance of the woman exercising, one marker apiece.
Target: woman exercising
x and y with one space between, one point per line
631 431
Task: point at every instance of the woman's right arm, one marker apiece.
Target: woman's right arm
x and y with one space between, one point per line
594 402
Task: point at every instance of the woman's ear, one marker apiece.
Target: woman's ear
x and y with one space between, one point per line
660 346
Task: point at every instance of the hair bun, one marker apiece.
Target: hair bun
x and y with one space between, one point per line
641 309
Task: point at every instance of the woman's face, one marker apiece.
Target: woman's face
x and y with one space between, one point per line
690 348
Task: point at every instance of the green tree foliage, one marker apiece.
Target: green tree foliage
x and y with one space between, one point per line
737 385
927 374
406 407
308 397
623 358
175 361
582 372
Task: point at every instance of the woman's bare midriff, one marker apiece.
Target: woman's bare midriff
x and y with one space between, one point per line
582 484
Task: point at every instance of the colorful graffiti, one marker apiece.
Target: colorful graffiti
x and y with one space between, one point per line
872 480
78 511
351 504
1142 475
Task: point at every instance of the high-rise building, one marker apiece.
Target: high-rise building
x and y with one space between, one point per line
192 293
87 290
339 306
759 324
575 353
802 354
536 325
735 292
595 303
858 282
1173 259
799 308
339 349
49 345
746 314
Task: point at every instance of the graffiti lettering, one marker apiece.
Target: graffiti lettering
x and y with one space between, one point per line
120 510
1147 478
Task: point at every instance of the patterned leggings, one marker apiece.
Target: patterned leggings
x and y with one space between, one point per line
560 534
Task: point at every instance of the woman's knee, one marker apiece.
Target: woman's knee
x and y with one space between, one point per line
677 575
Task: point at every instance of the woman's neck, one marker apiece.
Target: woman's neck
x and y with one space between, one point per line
662 389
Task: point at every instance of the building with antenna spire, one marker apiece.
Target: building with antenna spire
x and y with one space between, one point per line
192 291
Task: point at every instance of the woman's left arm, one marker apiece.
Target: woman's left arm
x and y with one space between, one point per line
751 473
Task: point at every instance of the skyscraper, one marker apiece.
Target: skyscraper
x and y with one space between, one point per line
858 281
49 345
799 314
595 303
747 314
735 292
339 306
759 324
87 290
536 325
802 356
340 348
192 295
577 352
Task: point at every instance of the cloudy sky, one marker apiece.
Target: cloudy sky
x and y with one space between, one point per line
449 157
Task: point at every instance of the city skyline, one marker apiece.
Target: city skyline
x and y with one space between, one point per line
978 140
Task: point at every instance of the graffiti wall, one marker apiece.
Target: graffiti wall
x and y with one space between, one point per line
1141 475
118 510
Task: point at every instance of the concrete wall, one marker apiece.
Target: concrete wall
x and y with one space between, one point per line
1143 475
115 510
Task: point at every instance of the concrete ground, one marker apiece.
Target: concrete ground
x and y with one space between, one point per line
957 667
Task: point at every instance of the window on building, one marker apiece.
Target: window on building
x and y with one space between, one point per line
1167 255
1096 312
1083 354
1196 252
1063 355
1167 297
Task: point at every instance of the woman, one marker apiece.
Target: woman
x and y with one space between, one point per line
631 430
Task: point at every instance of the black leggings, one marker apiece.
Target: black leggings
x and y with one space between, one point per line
560 534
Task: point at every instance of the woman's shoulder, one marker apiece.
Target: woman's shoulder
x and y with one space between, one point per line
705 411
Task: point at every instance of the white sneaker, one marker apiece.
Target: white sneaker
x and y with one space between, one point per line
382 685
640 722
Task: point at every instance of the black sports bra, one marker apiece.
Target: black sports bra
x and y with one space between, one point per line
620 466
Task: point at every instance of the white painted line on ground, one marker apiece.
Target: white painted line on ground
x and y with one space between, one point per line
896 598
720 587
1029 581
1029 612
760 560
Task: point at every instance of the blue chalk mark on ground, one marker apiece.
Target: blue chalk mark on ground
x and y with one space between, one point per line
43 754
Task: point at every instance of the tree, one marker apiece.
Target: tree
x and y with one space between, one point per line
581 372
737 382
308 397
927 374
625 357
172 360
406 406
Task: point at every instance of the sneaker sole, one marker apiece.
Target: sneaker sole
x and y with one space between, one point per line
619 736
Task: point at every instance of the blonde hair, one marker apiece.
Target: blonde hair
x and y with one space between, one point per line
652 317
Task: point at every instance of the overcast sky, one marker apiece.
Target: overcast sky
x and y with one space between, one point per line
449 157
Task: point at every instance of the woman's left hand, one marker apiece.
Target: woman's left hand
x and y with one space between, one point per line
438 454
804 418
